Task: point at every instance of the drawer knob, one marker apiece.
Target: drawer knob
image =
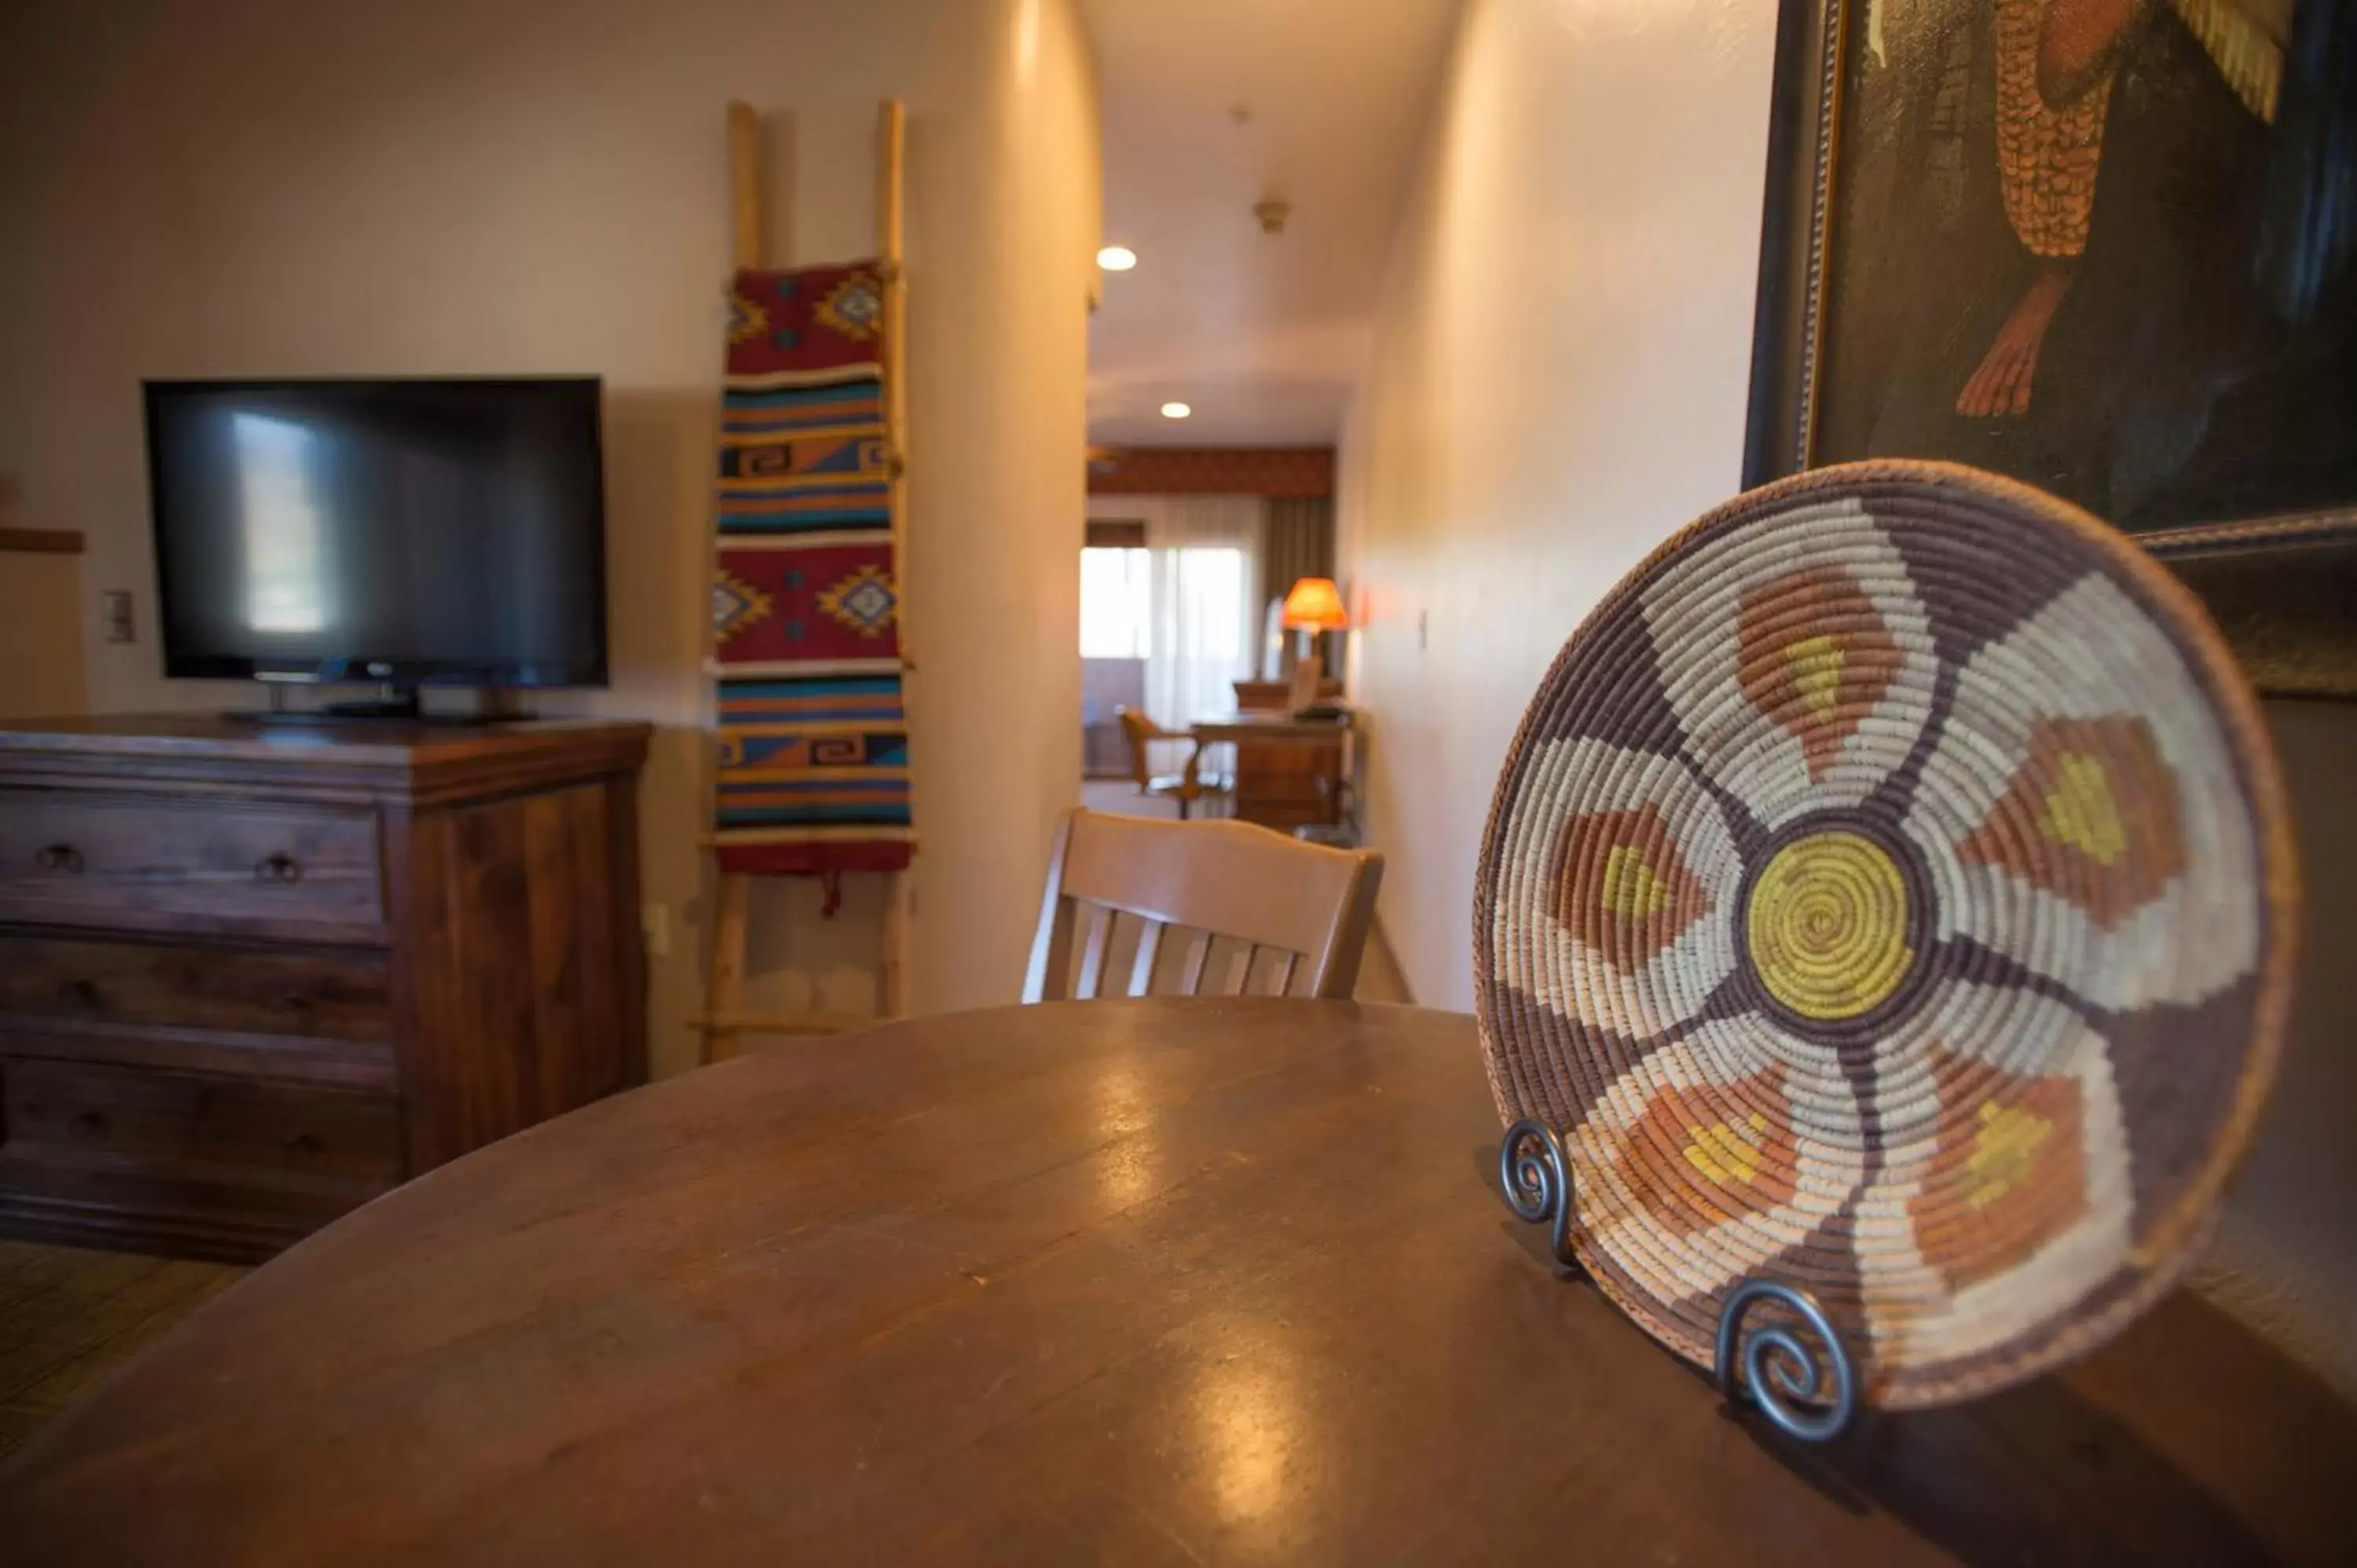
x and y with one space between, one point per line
278 868
62 857
90 1126
303 1144
78 993
298 1004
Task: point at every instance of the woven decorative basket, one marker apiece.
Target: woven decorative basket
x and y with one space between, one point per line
1890 892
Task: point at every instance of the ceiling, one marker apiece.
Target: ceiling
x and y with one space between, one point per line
1210 107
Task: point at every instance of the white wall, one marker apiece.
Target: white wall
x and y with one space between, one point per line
1557 382
313 187
998 493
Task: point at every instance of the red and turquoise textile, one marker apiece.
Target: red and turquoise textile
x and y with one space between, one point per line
805 591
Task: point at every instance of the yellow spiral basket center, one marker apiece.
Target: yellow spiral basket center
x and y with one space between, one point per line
1827 925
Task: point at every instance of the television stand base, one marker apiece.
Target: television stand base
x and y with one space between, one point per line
398 705
406 707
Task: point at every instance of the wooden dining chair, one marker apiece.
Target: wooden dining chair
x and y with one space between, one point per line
1191 783
1276 901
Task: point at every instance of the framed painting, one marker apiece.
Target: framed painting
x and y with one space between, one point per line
2105 246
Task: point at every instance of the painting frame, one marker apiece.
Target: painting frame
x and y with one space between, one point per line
2283 587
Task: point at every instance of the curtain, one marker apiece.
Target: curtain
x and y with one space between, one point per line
1299 544
1207 599
1300 541
1115 534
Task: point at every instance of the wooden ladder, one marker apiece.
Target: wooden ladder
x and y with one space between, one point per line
724 1017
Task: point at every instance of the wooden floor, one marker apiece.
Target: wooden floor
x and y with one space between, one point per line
69 1316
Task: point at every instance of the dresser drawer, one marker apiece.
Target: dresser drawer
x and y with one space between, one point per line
321 993
195 1127
196 866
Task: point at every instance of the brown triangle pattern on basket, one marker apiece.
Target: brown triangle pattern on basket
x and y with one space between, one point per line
1815 657
1742 1162
2092 816
2008 1174
1984 702
1621 886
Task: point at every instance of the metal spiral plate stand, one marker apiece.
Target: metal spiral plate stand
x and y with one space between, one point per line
1780 1377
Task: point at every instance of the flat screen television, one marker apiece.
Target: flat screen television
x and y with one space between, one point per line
406 532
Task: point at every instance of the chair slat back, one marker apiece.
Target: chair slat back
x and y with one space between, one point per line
1291 907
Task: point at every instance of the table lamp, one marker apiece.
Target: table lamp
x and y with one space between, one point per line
1313 605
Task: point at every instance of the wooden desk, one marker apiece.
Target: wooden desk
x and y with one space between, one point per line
1151 1283
1289 772
1255 729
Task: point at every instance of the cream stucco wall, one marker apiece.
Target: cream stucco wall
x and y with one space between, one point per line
1558 381
438 187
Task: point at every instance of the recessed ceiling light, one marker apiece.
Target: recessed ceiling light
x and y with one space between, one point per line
1117 258
1176 410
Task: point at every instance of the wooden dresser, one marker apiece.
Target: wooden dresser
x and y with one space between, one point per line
250 977
1287 784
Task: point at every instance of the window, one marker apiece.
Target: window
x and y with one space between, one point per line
1117 604
1176 590
1208 615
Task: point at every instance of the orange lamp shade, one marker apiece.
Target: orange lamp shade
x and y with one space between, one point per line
1316 605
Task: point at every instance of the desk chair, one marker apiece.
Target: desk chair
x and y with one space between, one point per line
1186 786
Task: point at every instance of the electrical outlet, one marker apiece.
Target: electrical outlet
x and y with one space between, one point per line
654 920
115 615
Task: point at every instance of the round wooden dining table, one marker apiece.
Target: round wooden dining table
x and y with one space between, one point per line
1151 1282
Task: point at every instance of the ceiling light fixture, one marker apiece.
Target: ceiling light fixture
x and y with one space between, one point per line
1117 258
1176 410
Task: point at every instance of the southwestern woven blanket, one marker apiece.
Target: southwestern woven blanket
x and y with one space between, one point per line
805 591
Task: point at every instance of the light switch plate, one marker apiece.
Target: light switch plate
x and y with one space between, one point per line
115 615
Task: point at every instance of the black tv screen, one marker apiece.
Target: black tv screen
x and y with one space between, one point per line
405 532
